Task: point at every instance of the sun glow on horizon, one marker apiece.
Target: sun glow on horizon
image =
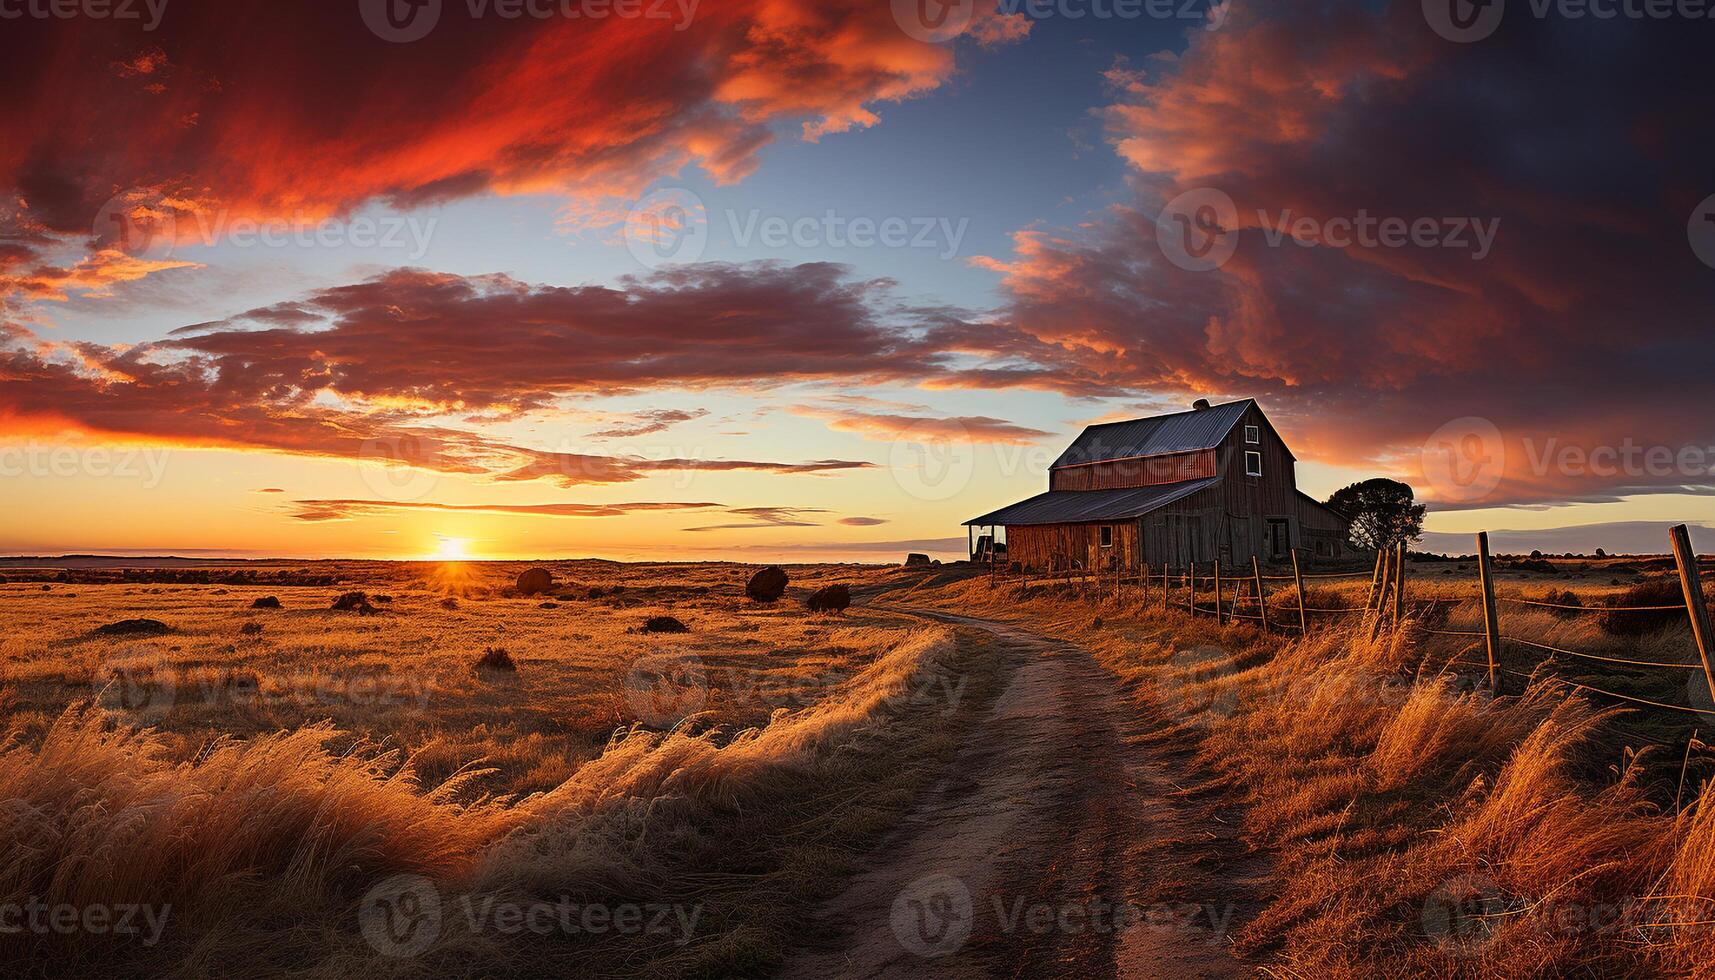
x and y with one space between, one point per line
451 549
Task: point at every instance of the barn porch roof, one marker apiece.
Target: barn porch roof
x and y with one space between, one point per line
1091 506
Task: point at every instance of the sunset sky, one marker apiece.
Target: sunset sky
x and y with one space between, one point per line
768 279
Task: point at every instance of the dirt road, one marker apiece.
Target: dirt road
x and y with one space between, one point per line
1028 856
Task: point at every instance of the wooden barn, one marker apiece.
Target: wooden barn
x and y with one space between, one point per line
1216 482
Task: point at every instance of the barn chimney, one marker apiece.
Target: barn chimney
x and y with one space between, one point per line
1200 405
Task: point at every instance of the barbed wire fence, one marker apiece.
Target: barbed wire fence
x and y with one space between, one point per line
1386 605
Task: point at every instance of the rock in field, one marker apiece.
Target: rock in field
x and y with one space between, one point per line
767 585
832 598
535 581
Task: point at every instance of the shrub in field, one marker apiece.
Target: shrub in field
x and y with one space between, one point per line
134 627
767 585
1564 597
664 624
832 598
1651 592
496 658
251 628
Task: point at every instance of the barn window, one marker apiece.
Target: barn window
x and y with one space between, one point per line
1253 435
1107 536
1253 464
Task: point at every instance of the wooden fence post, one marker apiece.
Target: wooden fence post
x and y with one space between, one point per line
1191 590
1399 586
1491 621
1691 581
1261 599
1298 579
1375 581
1220 611
1165 588
1377 608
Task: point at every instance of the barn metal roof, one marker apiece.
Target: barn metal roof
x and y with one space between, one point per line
1088 506
1176 433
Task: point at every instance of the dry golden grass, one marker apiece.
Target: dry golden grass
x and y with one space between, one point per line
263 811
1415 824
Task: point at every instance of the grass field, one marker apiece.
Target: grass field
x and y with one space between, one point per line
1414 824
296 789
261 772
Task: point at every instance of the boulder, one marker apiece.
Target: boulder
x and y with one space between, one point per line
832 598
767 585
535 581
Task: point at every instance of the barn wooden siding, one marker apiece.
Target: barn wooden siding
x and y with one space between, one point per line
1057 547
1148 471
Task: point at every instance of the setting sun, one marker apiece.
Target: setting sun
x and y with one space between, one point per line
451 549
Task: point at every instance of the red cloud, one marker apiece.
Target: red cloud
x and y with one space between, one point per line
1584 326
486 345
261 109
341 510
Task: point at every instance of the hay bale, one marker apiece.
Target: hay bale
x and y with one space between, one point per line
266 602
916 558
767 585
251 628
352 601
832 598
535 581
665 624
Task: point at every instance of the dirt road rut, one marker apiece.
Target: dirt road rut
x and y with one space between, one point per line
1027 856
